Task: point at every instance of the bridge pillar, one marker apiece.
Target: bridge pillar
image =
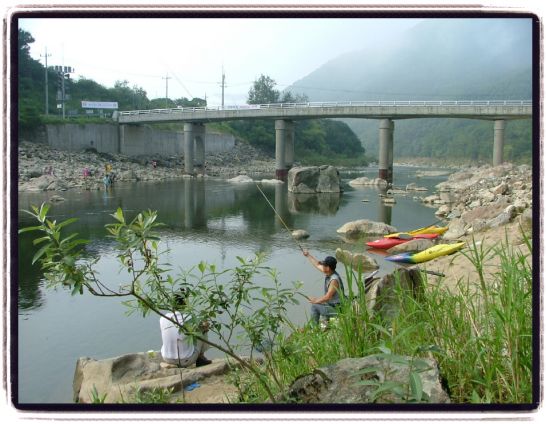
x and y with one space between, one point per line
188 147
199 131
289 152
498 141
386 131
280 149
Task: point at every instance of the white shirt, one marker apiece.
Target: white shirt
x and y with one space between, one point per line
175 345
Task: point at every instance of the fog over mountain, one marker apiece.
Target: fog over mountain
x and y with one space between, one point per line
438 59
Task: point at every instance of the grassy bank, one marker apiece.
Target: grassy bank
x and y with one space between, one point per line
480 334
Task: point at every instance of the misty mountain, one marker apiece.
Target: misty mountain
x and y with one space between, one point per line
438 59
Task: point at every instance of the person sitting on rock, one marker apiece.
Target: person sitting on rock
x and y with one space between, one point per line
178 348
326 305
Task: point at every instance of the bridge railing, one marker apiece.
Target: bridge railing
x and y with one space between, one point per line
368 103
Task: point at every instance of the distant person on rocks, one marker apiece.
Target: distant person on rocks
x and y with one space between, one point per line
327 305
86 172
109 175
178 348
154 164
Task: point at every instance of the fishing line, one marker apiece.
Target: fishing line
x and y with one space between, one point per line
280 218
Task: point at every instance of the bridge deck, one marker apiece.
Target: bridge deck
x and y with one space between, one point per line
472 109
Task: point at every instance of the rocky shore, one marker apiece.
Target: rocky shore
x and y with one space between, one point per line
483 206
43 168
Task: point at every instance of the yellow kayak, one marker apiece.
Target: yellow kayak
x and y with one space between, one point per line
428 254
432 229
435 251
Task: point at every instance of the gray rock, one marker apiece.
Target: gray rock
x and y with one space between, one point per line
56 199
456 230
431 199
341 382
300 234
358 261
415 187
364 227
502 188
416 245
442 210
313 179
119 378
486 196
365 181
501 219
241 179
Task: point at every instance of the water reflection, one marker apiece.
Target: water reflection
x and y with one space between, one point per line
384 210
320 203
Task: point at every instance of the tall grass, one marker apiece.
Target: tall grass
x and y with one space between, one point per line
480 333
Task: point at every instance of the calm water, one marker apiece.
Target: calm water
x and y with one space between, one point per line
208 220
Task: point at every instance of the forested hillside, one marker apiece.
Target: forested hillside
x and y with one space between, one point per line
439 59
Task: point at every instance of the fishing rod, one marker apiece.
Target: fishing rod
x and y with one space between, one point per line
280 218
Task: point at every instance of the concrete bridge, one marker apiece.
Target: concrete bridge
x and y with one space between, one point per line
285 114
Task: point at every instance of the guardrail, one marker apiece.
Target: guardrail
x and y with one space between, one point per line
332 104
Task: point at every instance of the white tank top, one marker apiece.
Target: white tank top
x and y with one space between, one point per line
175 345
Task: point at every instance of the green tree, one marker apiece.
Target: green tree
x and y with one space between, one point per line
263 91
30 84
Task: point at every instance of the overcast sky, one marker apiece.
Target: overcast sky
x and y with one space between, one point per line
192 52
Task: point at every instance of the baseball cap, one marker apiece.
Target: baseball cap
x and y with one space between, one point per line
329 261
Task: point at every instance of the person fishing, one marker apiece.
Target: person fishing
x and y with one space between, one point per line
326 305
177 348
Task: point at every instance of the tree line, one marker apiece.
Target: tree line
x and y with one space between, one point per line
318 141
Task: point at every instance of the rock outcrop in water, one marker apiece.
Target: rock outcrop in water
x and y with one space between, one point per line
364 227
314 179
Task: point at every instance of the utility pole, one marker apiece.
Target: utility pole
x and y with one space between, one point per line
46 86
166 78
223 85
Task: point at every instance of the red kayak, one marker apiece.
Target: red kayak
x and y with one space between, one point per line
387 243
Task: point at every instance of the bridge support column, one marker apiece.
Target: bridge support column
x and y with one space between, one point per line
498 141
199 131
289 152
188 147
280 149
386 131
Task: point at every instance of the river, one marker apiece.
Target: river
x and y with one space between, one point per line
210 220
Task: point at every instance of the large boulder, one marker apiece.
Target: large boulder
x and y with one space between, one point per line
382 294
342 382
358 261
118 379
364 227
314 179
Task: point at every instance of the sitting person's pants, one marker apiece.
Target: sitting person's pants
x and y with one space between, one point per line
198 350
322 309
